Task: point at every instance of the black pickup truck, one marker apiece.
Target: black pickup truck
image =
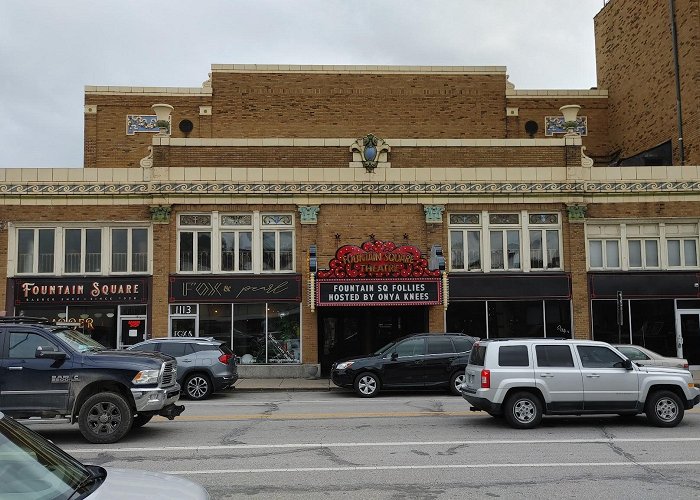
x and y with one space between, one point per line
55 372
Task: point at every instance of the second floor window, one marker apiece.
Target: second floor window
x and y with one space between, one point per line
63 250
82 251
36 251
245 242
504 241
129 250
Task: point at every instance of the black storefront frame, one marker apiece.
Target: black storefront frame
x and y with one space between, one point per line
89 292
511 287
236 290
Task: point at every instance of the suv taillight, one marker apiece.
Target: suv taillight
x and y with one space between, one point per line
485 379
686 366
225 358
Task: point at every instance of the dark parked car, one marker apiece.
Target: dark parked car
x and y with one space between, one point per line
204 364
420 361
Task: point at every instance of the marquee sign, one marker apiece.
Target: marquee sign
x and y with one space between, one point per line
378 273
377 292
378 259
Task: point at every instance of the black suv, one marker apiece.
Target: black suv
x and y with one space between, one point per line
204 364
420 361
52 371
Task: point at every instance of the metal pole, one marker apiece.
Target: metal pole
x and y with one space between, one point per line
679 107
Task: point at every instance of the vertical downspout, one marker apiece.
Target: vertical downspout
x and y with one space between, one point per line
679 107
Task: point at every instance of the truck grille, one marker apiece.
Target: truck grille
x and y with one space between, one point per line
169 373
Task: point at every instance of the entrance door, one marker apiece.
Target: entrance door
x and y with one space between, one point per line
688 335
132 330
344 332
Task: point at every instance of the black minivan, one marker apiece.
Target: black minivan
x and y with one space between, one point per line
419 361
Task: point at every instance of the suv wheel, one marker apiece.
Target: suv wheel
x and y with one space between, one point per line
105 418
367 385
664 409
523 410
198 386
456 382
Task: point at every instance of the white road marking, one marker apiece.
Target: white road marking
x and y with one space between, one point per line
384 444
431 467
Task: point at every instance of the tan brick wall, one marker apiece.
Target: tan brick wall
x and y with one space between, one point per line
635 64
338 157
352 105
105 132
595 109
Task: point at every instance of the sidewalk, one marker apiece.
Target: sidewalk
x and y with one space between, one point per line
285 384
320 384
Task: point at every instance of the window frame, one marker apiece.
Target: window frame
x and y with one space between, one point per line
59 248
129 250
260 223
83 251
488 223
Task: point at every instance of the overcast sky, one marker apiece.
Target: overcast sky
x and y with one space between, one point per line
51 49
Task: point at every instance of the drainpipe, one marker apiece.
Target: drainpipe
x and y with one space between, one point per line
679 108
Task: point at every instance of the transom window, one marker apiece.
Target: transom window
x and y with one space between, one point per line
504 241
247 242
57 251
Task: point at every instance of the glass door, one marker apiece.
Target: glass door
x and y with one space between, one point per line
688 336
184 320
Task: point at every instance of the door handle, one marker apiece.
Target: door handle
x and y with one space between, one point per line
186 361
546 375
593 375
419 362
14 368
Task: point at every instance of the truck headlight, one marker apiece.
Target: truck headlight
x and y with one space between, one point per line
146 377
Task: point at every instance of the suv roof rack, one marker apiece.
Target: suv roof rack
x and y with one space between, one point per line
186 339
522 338
24 319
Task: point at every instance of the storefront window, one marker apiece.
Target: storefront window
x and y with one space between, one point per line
99 323
510 319
215 321
283 340
468 318
249 332
53 314
604 322
558 318
654 325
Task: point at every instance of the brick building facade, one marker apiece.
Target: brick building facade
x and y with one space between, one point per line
309 213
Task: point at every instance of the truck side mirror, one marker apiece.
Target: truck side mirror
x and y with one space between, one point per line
394 356
49 352
627 364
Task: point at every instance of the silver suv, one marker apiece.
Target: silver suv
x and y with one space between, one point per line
525 379
204 364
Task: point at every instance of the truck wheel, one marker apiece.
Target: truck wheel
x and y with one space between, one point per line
198 386
105 418
141 419
664 409
367 385
523 410
456 382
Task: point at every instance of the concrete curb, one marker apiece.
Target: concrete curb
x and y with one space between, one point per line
285 384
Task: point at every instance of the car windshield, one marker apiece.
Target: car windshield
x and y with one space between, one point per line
78 341
32 467
384 349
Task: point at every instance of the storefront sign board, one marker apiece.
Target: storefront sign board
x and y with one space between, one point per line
225 289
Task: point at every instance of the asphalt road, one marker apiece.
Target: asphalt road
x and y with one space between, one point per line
417 445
